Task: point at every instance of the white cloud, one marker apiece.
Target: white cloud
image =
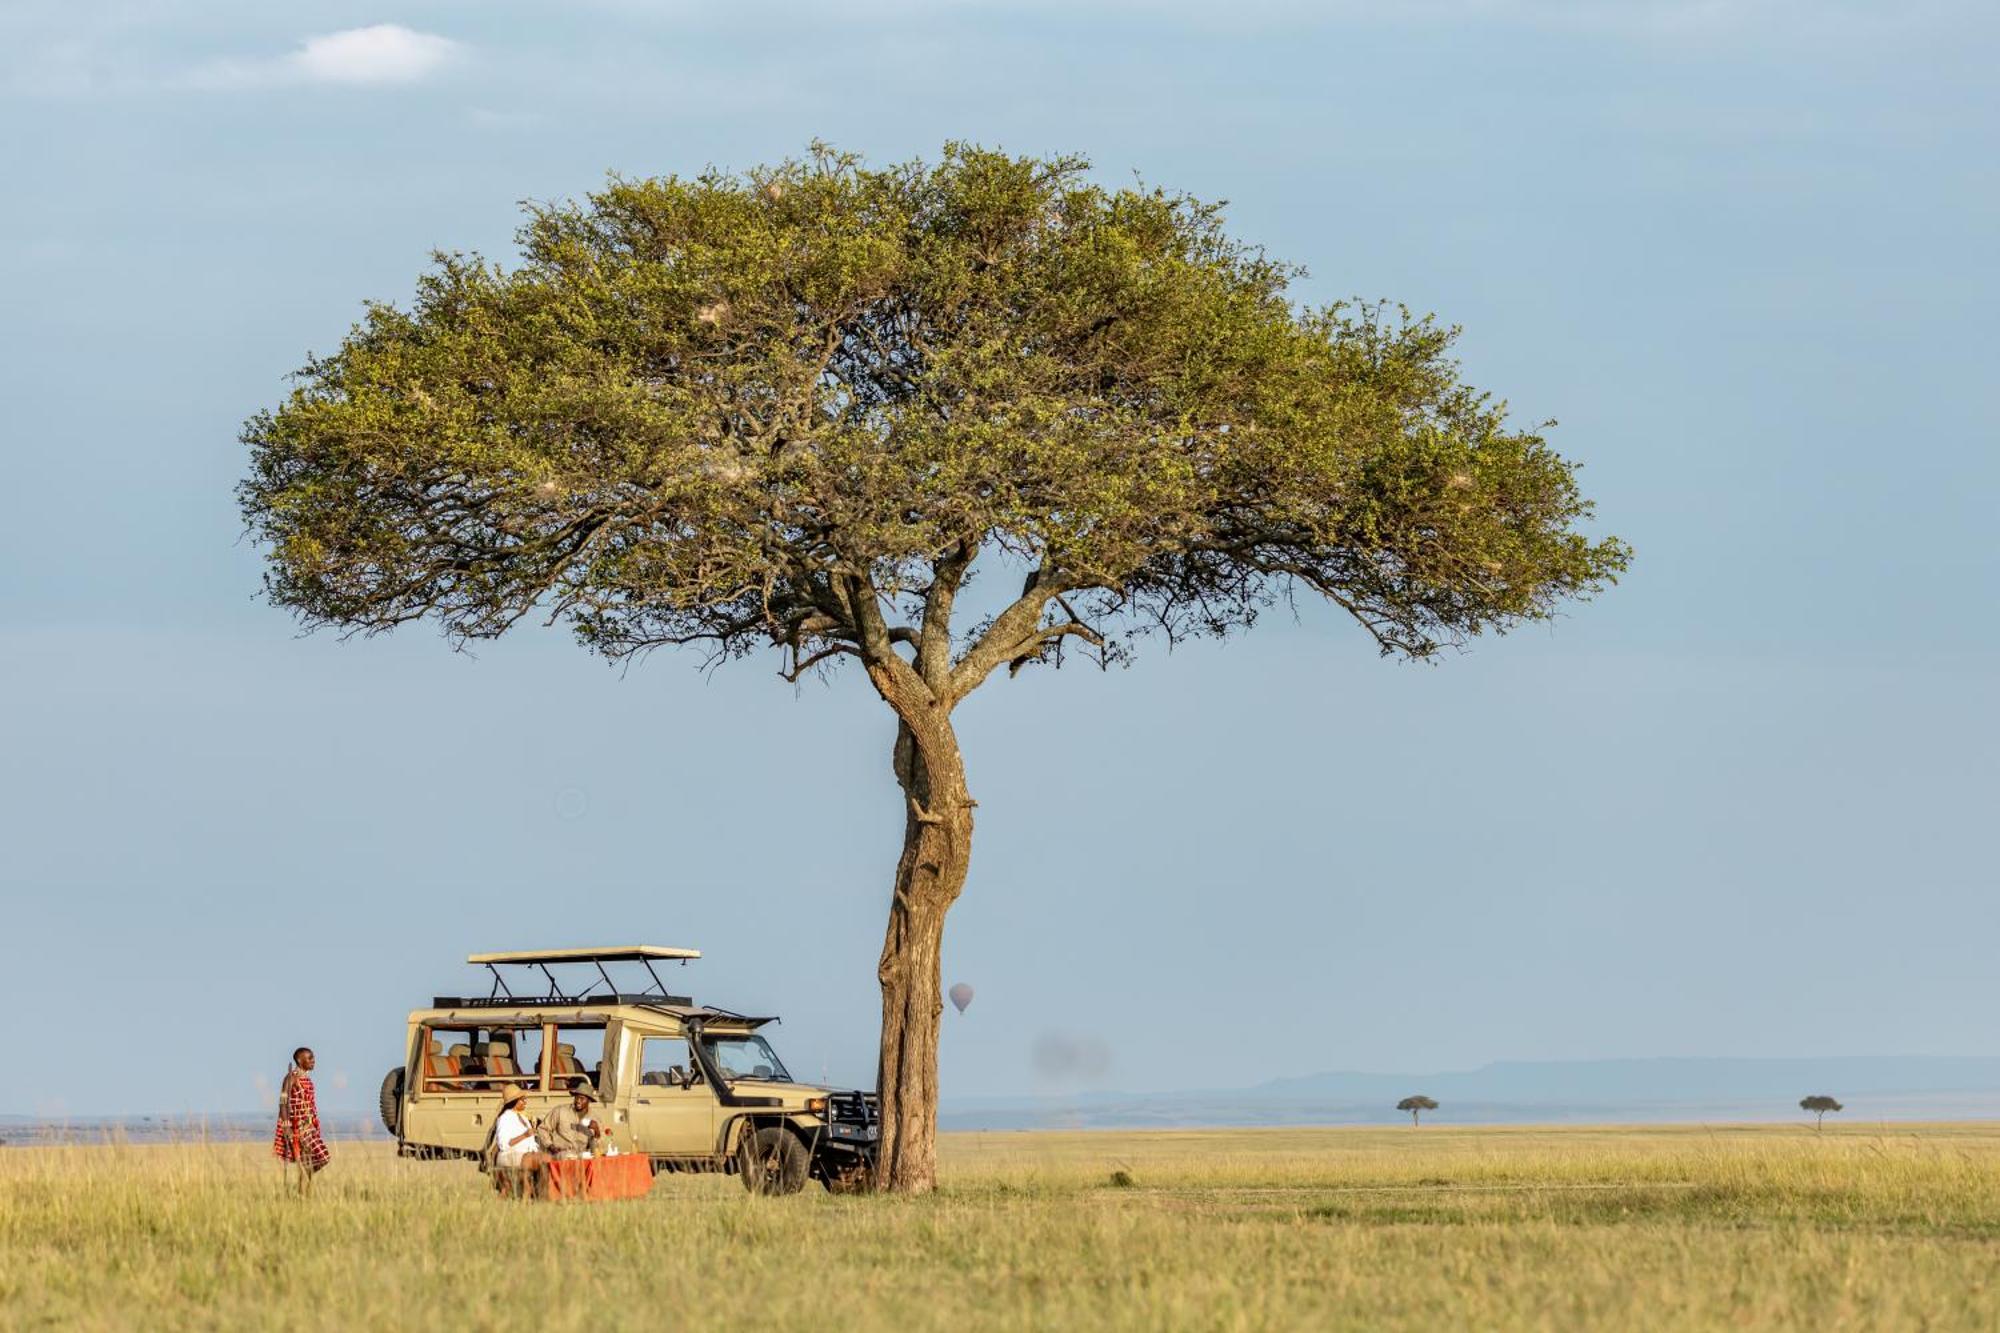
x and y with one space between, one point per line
386 53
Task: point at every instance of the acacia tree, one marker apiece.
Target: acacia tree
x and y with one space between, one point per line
1416 1106
1819 1105
802 408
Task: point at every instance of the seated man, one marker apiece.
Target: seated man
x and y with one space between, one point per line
572 1131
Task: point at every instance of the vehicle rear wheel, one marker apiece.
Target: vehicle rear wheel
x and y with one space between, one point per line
392 1101
772 1161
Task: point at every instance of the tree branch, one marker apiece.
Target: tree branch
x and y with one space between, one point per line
1003 638
894 677
934 642
1054 634
799 667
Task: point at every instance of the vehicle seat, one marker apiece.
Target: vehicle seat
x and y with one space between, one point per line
476 1066
566 1061
433 1062
456 1059
654 1077
500 1059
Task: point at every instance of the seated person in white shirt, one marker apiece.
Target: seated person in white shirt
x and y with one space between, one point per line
514 1145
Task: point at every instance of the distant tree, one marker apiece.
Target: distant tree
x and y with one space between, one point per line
1416 1106
1819 1106
801 409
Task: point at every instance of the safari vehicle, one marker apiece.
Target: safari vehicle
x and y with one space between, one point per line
693 1088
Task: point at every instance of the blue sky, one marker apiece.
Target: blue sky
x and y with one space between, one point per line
1743 252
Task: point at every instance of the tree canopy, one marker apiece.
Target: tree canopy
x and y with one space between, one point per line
792 407
1416 1106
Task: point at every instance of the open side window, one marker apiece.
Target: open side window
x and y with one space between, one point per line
577 1052
478 1058
667 1062
514 1055
444 1057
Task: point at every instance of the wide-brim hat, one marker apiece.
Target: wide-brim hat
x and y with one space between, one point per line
585 1090
509 1094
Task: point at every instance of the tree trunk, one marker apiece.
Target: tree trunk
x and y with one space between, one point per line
1416 1117
937 847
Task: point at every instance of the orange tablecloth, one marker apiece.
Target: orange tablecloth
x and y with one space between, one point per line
625 1177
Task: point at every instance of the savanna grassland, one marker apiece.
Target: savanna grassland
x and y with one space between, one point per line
1433 1228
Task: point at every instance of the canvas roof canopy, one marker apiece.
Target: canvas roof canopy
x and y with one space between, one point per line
627 953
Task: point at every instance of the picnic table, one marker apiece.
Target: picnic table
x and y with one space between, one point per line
626 1176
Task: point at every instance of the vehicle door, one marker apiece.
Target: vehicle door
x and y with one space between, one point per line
673 1110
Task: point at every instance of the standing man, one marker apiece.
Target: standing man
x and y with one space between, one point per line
298 1138
570 1132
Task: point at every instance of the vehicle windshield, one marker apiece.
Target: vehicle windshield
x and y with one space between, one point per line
747 1056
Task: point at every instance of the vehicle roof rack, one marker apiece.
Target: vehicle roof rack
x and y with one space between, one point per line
624 953
649 999
503 994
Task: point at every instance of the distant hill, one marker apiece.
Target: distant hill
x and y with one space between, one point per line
1653 1082
1522 1091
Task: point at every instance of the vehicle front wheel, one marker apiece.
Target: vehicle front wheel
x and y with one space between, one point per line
772 1161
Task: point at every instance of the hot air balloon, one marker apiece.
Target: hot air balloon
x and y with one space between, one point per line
961 995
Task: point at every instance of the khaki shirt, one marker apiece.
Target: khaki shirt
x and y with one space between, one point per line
566 1130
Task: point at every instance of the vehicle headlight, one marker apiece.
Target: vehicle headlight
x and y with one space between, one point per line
816 1105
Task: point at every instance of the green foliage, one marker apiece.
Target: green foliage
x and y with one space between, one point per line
1416 1106
795 407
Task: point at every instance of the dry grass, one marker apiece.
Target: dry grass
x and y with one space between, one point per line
1325 1229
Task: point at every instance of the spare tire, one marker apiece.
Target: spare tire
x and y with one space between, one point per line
392 1101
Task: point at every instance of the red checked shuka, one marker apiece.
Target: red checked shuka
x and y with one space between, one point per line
298 1138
